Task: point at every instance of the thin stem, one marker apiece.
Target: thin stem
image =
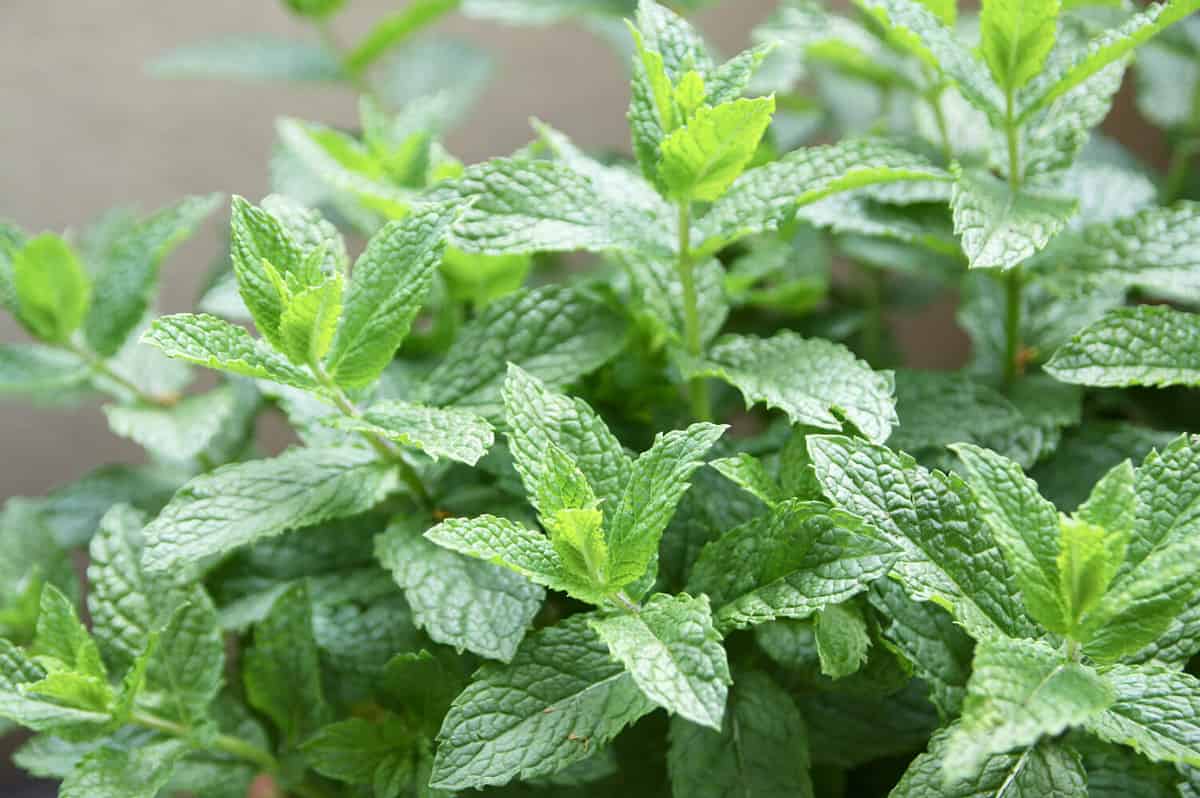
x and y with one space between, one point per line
625 602
1074 650
100 366
939 116
330 40
234 746
698 386
874 322
1013 283
386 449
1014 151
1177 170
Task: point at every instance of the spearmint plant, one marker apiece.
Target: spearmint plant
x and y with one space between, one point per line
607 474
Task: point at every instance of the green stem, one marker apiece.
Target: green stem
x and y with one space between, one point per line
1074 650
100 366
1013 283
234 746
698 386
1177 170
1014 151
386 449
328 38
939 116
874 322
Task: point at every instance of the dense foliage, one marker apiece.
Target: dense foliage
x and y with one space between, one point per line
672 520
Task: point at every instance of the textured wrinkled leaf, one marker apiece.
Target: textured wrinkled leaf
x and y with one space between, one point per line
439 432
1145 345
761 749
813 381
751 475
948 555
358 751
674 654
842 639
560 699
1000 229
700 160
238 504
1155 713
127 274
250 57
1015 38
185 429
1019 692
116 773
478 606
208 341
798 559
1148 249
387 288
16 704
554 333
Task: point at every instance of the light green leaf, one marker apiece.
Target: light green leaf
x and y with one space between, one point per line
1112 504
790 563
17 673
999 228
478 606
1046 770
62 638
1015 38
387 287
767 196
127 274
657 482
842 639
700 160
282 669
1025 527
187 428
1152 345
1019 692
674 654
523 206
561 698
727 81
315 9
208 341
1148 249
751 475
553 332
813 381
310 319
29 558
32 368
240 503
249 57
111 772
943 50
538 417
439 432
761 750
1155 713
394 29
948 554
52 289
119 599
258 238
1087 563
1107 48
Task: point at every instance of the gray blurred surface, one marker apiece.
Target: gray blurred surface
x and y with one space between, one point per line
82 129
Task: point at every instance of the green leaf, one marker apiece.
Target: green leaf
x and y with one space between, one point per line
790 563
249 57
1112 504
657 482
1019 692
727 81
1152 345
674 654
943 50
188 664
52 289
538 418
751 475
1148 249
282 669
32 368
1155 713
477 606
388 286
1015 38
394 29
17 674
116 773
1107 48
1025 527
700 160
948 555
560 699
63 639
258 238
761 749
127 274
29 558
187 428
1087 563
240 503
523 206
813 381
439 432
765 197
1046 770
310 319
999 228
316 9
208 341
842 639
381 753
553 332
119 599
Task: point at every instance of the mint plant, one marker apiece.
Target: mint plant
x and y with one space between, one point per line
607 475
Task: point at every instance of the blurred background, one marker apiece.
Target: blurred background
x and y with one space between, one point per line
86 128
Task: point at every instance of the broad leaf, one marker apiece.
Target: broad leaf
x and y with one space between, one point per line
999 228
701 159
1155 713
438 432
1145 345
117 773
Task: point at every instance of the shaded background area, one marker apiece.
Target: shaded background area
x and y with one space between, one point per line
84 128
